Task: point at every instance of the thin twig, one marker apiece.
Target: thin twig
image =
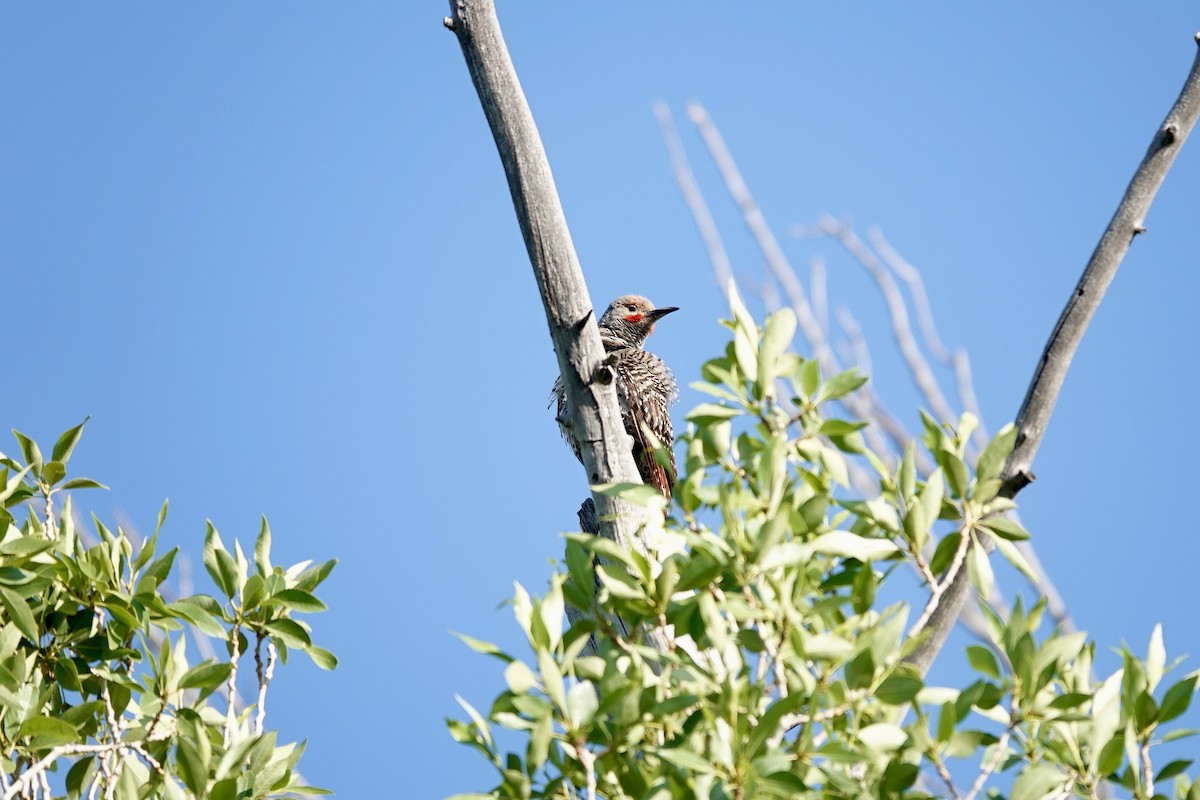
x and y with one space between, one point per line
231 693
948 581
686 181
918 366
264 679
1001 747
767 243
957 360
943 773
820 295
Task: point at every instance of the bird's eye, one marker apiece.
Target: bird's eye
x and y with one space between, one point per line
631 307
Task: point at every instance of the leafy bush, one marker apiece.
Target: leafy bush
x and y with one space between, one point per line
783 674
94 669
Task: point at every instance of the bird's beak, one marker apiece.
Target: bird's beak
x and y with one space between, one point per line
659 313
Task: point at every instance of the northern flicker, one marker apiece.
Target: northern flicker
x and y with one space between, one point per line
645 386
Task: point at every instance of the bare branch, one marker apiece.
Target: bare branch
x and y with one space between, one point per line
686 181
916 288
264 674
592 400
957 360
999 749
1051 370
873 408
772 252
231 701
918 366
778 264
966 393
820 301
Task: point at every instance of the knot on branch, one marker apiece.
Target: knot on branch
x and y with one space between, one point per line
1017 482
1168 135
448 22
578 326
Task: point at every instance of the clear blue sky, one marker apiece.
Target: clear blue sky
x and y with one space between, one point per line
270 249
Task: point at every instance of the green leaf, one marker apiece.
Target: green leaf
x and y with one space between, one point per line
322 657
842 384
205 676
12 484
860 671
955 471
66 443
810 376
745 336
582 703
53 472
685 759
298 600
944 553
947 720
19 612
884 737
80 775
640 494
197 616
840 427
906 476
47 732
552 680
519 677
253 593
983 660
1172 769
25 546
1005 528
1177 699
477 718
980 568
900 687
191 767
262 549
30 452
1156 658
539 742
620 583
222 571
1014 557
991 461
931 495
162 517
780 328
480 646
851 545
1038 781
712 412
83 483
289 632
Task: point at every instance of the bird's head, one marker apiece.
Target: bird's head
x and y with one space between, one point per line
631 319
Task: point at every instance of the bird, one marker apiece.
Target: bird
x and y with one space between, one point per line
645 387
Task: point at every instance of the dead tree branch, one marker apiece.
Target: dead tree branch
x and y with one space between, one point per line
591 397
686 182
956 360
1051 370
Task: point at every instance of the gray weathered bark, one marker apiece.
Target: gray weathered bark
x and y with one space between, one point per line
1127 222
596 417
